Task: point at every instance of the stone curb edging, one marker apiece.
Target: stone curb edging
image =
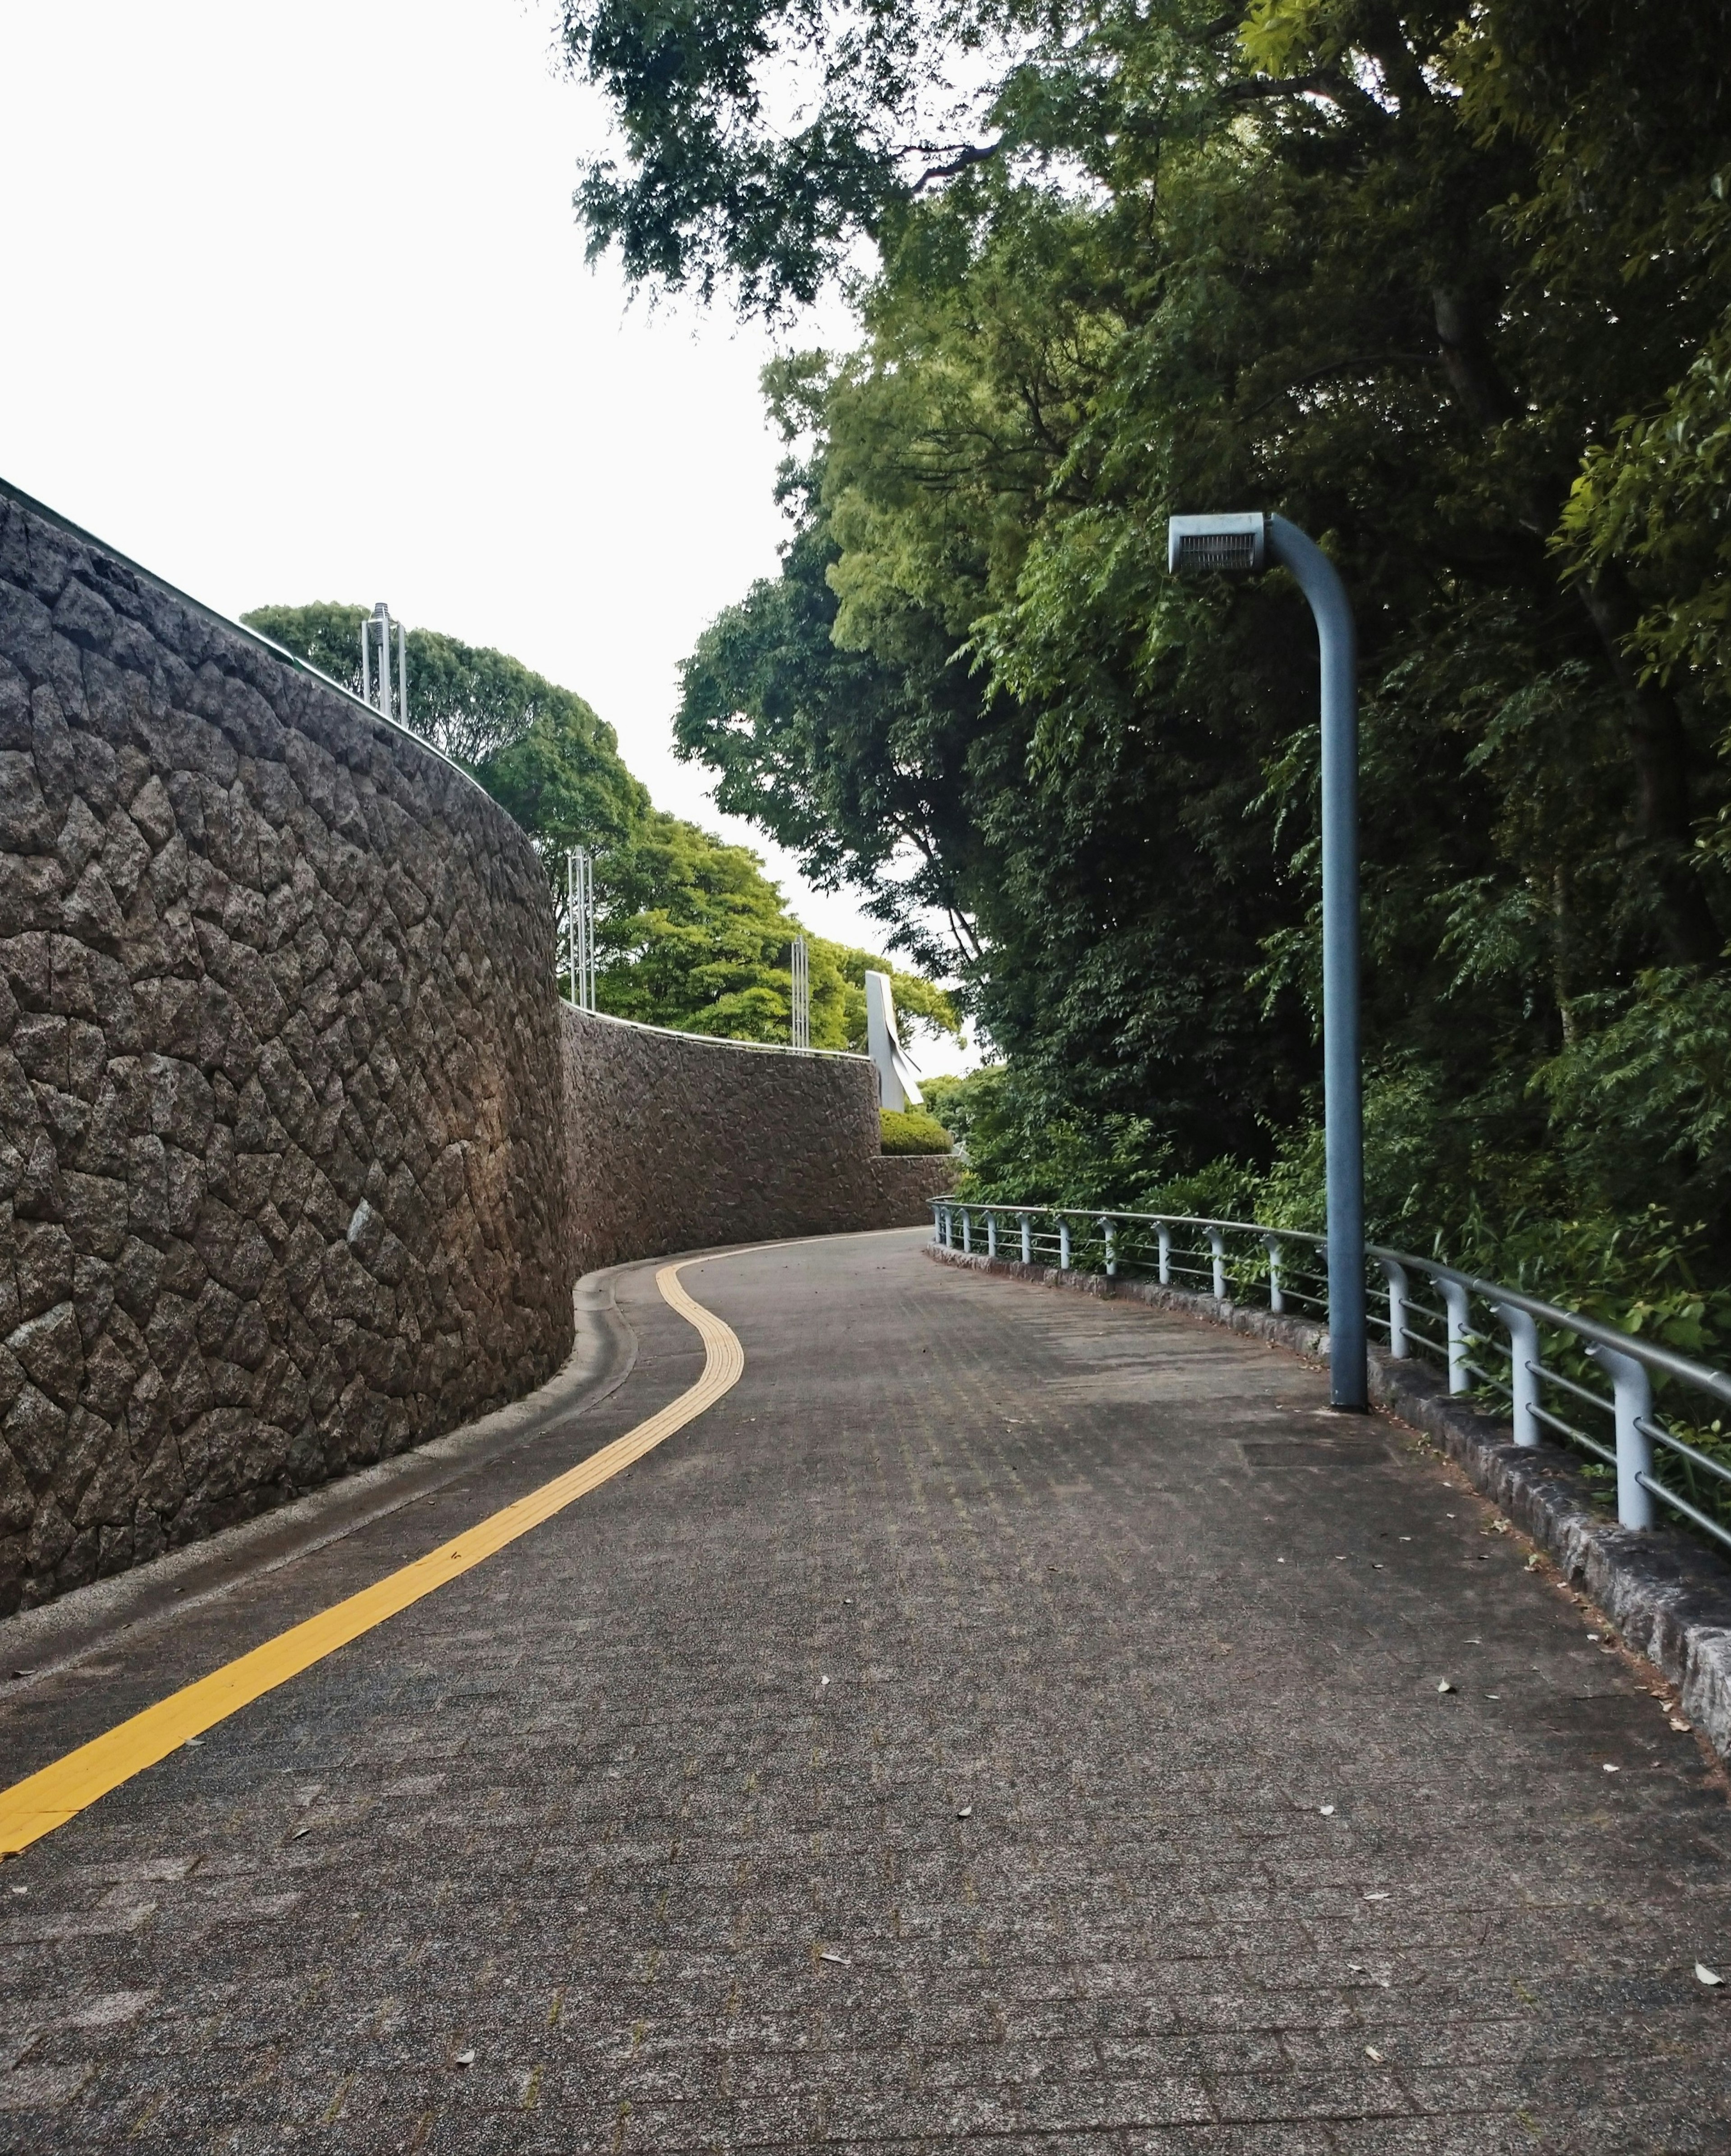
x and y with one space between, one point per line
1669 1598
51 1634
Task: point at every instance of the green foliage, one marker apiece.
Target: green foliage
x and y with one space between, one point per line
913 1131
538 749
690 931
1452 291
692 934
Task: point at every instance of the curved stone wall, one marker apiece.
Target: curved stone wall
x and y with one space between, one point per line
279 1193
299 1153
675 1140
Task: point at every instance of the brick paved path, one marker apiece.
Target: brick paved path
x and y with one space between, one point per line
931 1746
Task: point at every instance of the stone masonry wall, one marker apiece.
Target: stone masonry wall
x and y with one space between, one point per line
299 1158
674 1142
280 1191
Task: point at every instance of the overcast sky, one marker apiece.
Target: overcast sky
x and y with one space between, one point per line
296 309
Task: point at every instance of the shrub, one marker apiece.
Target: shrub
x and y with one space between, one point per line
915 1132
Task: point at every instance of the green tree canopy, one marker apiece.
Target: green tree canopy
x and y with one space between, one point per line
1451 292
538 749
690 933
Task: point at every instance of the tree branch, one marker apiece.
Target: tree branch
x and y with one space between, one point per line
1363 359
964 156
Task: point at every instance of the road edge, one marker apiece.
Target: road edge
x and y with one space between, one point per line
1669 1599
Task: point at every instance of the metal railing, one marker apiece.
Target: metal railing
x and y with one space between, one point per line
1285 1270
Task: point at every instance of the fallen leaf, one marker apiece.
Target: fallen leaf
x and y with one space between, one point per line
1326 1810
1709 1977
964 1811
1682 1727
301 1834
1534 1562
463 2059
1500 1526
1443 1685
1376 1897
1609 1768
841 1960
1372 2053
1376 1568
192 1742
1493 1694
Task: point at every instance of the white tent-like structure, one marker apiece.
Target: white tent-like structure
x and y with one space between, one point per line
897 1088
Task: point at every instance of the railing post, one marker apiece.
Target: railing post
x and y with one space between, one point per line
1108 1228
1165 1257
1063 1244
966 1229
991 1234
1523 1370
1633 1393
1454 1297
1217 1243
1276 1298
1399 1290
1027 1241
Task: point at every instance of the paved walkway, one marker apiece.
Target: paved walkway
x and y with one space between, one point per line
1006 1718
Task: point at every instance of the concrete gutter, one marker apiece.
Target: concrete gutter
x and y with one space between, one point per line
1668 1596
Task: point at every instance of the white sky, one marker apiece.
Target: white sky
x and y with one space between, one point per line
298 310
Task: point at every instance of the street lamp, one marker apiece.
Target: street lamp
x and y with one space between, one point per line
1243 545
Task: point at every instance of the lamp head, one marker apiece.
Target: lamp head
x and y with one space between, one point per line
1234 546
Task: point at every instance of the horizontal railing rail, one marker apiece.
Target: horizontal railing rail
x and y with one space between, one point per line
1669 1459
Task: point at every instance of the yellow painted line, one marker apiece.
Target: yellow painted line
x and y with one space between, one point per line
36 1806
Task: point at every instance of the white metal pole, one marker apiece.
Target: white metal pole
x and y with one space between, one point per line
571 927
402 675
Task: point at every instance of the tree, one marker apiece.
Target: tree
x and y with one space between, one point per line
691 934
1449 292
540 750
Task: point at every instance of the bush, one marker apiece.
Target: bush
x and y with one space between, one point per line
915 1132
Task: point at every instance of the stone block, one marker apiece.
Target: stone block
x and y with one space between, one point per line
27 823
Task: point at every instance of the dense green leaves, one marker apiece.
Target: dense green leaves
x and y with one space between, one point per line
692 934
1450 292
537 748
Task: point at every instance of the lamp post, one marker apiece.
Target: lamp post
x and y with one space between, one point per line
1243 545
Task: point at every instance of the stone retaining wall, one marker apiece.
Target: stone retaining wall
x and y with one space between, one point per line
284 1186
279 1193
674 1141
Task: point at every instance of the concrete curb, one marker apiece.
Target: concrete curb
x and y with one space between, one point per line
1669 1597
43 1640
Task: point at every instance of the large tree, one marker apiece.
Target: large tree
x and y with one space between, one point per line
1403 274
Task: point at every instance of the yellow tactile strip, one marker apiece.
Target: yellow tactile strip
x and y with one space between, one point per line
45 1801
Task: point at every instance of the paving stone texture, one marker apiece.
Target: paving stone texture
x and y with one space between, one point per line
1006 1718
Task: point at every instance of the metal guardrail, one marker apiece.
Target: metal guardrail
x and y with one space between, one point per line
1238 1260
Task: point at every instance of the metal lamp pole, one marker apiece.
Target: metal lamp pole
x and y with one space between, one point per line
1243 545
